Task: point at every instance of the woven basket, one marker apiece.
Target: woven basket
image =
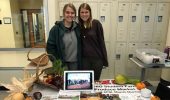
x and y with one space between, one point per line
41 60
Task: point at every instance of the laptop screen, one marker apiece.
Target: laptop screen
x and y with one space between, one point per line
79 80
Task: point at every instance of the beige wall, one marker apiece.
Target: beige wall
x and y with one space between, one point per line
53 10
11 34
6 30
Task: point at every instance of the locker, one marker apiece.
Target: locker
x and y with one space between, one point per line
122 21
161 22
131 68
120 58
132 49
147 22
134 21
104 17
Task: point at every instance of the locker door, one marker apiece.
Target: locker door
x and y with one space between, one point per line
147 22
161 22
122 21
132 49
120 58
132 69
105 14
134 21
94 8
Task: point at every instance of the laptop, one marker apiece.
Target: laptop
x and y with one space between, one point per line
81 80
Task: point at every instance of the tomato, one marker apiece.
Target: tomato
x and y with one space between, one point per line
105 82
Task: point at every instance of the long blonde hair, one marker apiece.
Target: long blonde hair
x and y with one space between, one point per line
89 21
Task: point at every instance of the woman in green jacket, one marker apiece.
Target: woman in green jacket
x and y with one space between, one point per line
64 39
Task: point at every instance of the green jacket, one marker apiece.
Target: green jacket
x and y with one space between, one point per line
55 45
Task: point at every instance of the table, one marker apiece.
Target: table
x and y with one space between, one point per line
144 66
125 92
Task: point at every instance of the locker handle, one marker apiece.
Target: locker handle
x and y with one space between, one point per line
160 18
130 55
117 56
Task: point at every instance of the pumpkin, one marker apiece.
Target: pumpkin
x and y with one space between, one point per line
140 85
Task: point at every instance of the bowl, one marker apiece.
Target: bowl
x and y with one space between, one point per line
146 93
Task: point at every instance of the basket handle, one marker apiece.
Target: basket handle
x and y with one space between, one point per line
29 53
37 67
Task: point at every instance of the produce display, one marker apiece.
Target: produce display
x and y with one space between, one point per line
122 79
53 76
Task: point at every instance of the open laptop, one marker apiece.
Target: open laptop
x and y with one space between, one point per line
79 80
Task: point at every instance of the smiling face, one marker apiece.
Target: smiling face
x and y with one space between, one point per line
84 14
69 14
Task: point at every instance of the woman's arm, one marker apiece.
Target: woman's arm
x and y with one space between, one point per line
51 47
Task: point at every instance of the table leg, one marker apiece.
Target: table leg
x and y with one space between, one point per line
142 77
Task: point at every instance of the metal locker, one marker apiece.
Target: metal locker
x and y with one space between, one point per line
122 22
134 22
161 22
131 68
104 17
148 17
120 57
132 49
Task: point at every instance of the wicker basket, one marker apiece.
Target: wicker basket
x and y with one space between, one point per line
41 82
41 60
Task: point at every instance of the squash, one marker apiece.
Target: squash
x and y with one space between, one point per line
18 96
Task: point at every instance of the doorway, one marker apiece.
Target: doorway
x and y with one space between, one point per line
33 28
